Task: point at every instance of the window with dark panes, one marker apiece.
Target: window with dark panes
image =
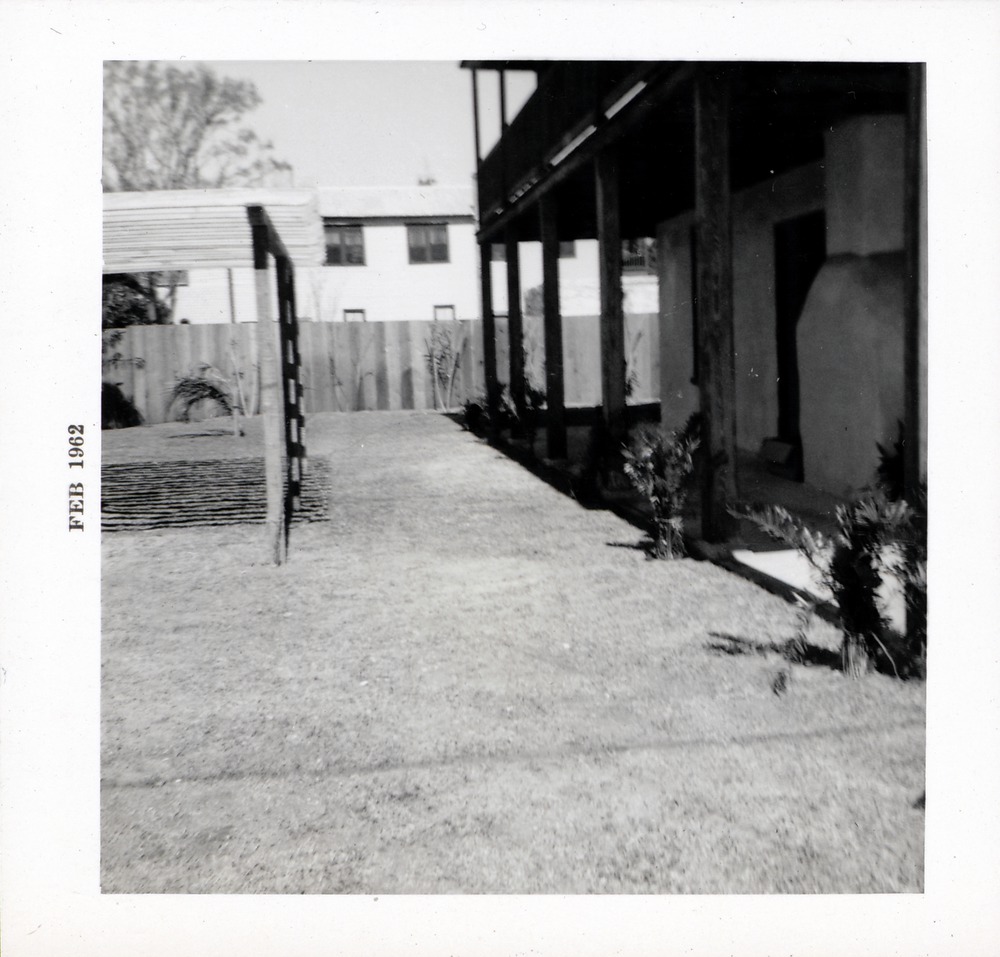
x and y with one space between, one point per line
345 245
639 255
428 242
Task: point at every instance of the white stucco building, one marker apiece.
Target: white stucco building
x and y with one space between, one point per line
391 253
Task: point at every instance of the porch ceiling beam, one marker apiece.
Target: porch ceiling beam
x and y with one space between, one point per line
663 83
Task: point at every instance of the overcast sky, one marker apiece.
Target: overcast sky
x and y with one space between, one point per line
363 123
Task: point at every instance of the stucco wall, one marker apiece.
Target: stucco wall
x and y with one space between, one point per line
850 336
864 173
755 212
678 396
850 333
851 368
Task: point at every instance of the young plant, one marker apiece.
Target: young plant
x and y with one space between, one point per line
659 465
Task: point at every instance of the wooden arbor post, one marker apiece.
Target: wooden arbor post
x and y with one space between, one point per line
515 325
554 386
280 388
714 294
609 239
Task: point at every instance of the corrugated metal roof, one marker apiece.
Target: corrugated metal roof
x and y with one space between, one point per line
197 228
396 202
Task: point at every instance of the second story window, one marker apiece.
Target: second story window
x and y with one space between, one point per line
428 242
345 245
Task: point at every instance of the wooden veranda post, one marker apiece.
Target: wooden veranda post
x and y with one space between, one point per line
489 332
515 326
914 463
915 347
714 294
554 384
609 237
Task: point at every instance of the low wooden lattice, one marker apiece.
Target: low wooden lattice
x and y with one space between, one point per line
186 494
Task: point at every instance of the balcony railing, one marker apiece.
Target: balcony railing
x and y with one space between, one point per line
570 97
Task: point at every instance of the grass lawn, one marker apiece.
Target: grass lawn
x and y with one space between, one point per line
465 682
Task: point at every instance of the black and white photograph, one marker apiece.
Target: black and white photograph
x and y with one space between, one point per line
539 485
512 495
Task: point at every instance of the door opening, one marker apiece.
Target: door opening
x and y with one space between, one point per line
799 252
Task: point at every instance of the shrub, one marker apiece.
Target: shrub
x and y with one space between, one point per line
890 466
874 536
117 410
475 414
659 465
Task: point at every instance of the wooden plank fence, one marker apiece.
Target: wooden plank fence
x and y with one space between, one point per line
355 366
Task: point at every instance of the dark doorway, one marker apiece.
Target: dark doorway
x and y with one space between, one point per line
799 252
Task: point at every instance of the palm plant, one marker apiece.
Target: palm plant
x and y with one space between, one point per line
207 385
873 538
659 465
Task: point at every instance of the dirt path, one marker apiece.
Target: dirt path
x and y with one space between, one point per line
465 682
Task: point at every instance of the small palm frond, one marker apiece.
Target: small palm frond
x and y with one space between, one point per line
189 390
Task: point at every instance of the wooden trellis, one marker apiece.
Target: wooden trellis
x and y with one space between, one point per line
193 229
280 382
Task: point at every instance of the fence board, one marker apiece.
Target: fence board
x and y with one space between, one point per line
367 362
134 348
378 359
423 397
393 372
349 366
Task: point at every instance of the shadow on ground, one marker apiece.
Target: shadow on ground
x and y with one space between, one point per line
796 651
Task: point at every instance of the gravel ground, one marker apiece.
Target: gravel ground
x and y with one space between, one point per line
465 682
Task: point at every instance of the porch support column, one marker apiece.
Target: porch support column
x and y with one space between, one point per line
271 398
554 389
489 331
914 238
714 295
515 326
609 239
915 324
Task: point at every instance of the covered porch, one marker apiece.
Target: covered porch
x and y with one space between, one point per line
691 158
